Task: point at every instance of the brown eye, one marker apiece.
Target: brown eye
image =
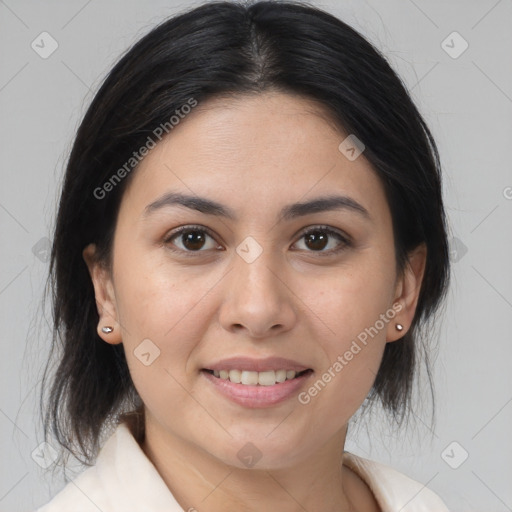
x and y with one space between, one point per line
192 239
318 238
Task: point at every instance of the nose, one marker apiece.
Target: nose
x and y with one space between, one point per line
257 298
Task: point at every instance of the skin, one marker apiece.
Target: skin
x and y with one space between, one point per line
254 154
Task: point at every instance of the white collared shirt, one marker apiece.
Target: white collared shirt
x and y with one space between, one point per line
124 479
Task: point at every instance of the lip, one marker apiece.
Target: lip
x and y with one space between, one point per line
256 365
257 397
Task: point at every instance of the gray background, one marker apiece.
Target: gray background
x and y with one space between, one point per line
466 100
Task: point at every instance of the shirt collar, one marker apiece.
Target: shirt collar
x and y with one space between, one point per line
130 477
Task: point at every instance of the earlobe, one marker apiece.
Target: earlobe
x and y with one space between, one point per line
407 293
108 327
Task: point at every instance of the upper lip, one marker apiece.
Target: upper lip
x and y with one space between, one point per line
256 365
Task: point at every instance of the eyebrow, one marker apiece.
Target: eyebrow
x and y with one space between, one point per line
289 212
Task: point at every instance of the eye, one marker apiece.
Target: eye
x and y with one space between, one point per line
317 238
192 239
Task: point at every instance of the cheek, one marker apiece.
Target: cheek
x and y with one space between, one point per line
355 307
159 310
352 354
351 299
160 316
157 298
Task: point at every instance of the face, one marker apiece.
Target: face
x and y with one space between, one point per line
263 293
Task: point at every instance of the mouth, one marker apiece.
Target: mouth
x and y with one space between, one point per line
254 378
256 382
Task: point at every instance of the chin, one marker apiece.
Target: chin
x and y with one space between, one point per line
258 452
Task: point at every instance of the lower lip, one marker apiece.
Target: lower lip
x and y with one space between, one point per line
257 397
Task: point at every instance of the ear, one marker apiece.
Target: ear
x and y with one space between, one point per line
407 292
105 296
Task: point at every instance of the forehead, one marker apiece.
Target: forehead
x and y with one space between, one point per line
266 149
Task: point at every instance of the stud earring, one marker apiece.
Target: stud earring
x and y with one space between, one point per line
399 327
107 329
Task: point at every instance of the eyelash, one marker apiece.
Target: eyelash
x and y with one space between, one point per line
345 241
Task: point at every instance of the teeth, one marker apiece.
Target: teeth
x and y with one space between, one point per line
280 375
267 378
235 376
249 378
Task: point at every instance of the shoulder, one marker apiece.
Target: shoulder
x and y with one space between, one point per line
92 489
85 493
394 490
123 478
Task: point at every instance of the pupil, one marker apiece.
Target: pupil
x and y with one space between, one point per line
316 238
189 242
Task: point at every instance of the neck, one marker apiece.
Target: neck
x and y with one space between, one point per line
199 481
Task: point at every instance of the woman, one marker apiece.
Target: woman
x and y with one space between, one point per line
250 239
